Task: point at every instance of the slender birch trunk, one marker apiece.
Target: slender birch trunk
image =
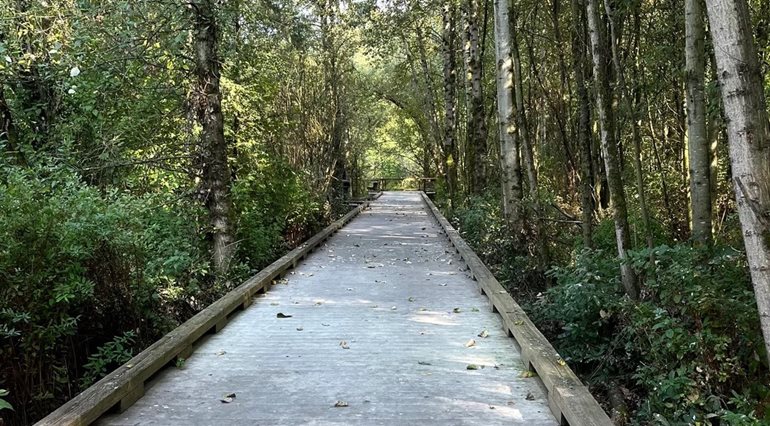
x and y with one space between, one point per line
633 115
449 36
579 53
477 129
697 140
509 146
748 134
610 147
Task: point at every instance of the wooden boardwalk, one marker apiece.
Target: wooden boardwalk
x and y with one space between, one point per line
378 319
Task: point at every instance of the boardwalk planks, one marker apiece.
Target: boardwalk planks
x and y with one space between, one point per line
569 399
121 388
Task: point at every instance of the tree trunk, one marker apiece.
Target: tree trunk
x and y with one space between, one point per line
450 105
509 145
477 125
208 103
610 148
636 137
748 134
697 141
579 45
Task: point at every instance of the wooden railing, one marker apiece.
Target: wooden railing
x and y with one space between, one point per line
124 386
569 400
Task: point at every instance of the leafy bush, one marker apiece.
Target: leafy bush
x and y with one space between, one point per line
75 261
275 211
693 344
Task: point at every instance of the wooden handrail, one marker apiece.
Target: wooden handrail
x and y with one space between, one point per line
125 385
569 400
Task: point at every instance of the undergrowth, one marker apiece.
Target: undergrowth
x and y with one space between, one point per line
689 353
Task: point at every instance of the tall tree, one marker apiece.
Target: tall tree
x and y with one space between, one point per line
697 140
448 42
631 111
509 145
609 146
579 59
213 146
748 133
477 124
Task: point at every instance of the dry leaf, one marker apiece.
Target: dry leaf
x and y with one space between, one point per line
344 345
340 403
527 374
530 397
424 363
228 398
300 328
411 299
472 367
456 310
484 334
470 343
282 315
220 353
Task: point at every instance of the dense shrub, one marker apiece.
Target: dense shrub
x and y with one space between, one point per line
78 268
275 211
690 351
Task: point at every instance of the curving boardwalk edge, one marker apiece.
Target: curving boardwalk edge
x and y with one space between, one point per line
125 385
569 400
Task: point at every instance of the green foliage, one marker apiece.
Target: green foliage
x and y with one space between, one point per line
107 357
690 345
4 405
75 261
276 210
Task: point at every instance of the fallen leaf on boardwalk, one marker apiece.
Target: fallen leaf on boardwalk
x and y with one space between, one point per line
530 397
344 345
472 367
423 309
424 363
274 304
491 407
350 289
318 303
411 299
220 353
282 315
470 343
527 374
393 308
300 328
456 310
518 323
373 306
228 398
474 309
443 285
339 404
484 334
325 325
560 361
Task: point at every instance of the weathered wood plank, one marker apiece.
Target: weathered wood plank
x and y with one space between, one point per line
123 386
566 393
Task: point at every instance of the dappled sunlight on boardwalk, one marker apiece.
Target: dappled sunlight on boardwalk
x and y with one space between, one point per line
383 319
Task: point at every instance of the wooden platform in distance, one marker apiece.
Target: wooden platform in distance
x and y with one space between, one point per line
378 321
